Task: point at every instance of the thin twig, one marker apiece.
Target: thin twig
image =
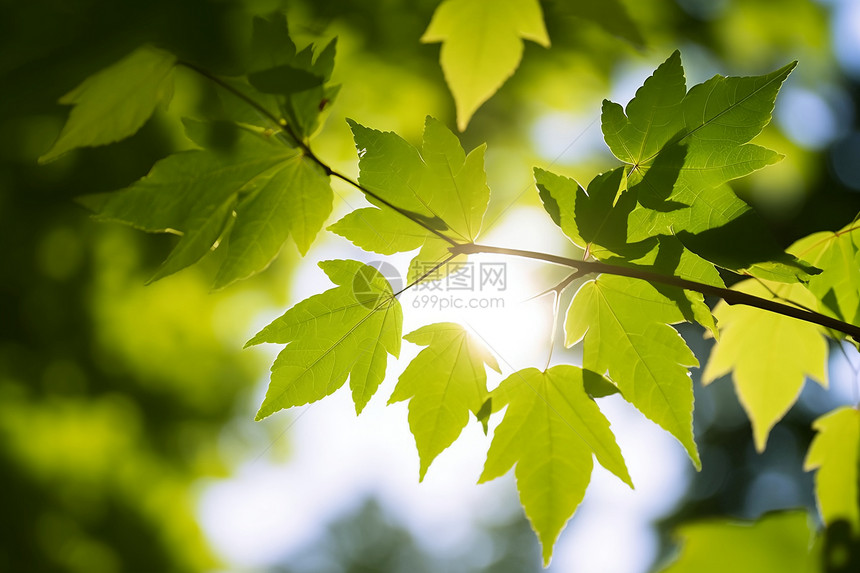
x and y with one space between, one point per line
728 295
582 267
282 124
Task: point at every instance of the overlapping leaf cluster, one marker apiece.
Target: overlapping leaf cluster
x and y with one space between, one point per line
666 212
249 184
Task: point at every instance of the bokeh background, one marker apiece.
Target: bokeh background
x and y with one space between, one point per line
126 433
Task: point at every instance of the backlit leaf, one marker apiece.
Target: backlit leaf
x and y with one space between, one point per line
768 354
611 15
296 200
551 430
482 44
438 184
838 257
835 453
443 384
115 102
776 542
624 325
274 189
347 331
682 148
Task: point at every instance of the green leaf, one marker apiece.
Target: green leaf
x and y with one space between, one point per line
305 99
115 102
550 431
274 189
296 200
347 331
299 80
611 15
724 230
482 44
443 384
594 221
438 184
838 256
624 325
271 45
682 147
835 453
376 230
768 354
560 196
284 80
670 257
776 542
713 121
654 116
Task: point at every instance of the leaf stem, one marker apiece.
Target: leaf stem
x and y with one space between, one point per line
728 295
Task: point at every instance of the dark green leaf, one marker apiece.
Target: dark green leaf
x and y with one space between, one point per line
115 102
274 189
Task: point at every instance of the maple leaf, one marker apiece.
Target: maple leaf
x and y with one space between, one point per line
624 326
482 46
769 354
776 542
682 148
550 431
115 102
835 454
439 185
443 384
274 189
347 331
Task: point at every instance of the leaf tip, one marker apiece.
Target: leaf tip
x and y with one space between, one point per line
48 156
760 435
262 413
463 118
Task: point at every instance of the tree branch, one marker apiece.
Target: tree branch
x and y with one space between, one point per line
582 267
728 295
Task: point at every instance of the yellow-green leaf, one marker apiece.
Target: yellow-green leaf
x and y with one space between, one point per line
779 542
835 453
624 325
345 331
295 200
482 45
443 384
838 256
115 102
768 354
551 430
439 184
